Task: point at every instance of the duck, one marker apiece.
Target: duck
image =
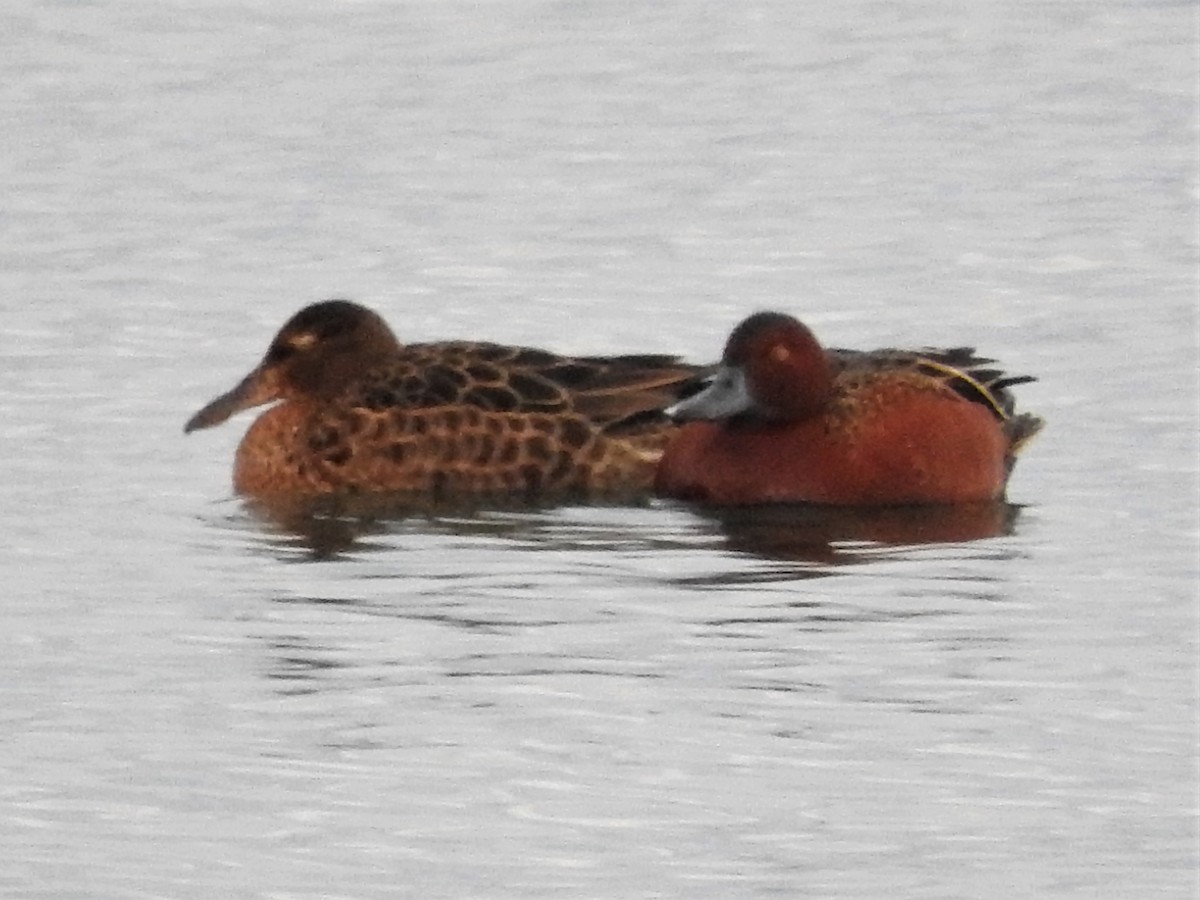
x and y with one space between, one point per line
784 420
356 412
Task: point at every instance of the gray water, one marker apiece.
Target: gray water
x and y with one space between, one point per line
648 701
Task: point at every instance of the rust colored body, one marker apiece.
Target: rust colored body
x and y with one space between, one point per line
785 420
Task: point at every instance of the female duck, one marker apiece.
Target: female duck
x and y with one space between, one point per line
358 412
792 422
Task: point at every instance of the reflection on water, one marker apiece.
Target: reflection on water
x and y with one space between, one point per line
299 664
597 701
488 578
831 536
818 536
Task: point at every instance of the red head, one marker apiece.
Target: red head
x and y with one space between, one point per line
773 368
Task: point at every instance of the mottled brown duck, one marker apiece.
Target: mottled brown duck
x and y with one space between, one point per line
356 411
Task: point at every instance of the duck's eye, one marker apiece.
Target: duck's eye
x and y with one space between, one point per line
291 345
302 341
780 354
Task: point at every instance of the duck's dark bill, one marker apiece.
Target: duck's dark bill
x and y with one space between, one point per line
253 390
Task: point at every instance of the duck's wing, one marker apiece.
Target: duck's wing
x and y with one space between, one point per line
499 378
973 377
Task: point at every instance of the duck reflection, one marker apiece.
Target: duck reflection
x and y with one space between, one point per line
332 527
466 581
838 535
818 536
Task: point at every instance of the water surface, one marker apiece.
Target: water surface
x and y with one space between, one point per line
629 701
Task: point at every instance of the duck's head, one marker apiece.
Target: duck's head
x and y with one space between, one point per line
772 368
317 352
